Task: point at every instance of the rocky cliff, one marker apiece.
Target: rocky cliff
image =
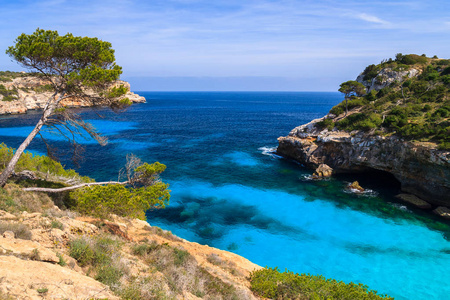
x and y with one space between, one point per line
421 169
31 93
401 126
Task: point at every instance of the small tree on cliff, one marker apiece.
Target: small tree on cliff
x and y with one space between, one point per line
351 88
74 66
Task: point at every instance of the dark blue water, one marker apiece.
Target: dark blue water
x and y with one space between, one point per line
230 192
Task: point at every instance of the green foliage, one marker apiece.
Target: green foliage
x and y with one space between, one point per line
180 256
62 262
44 88
42 290
352 88
418 109
56 224
94 252
355 102
410 59
109 274
8 94
99 253
101 201
360 121
270 283
370 72
37 163
77 60
325 123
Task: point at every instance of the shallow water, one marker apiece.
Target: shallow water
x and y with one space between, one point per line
229 190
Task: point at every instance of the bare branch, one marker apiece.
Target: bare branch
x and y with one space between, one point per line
73 187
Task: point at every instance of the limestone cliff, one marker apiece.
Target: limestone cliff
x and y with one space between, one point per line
421 169
31 93
401 126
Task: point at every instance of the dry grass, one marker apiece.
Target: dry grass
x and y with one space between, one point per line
14 199
182 272
21 231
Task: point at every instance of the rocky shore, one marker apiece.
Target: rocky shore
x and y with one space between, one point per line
31 93
421 169
36 263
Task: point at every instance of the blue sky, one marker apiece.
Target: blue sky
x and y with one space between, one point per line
295 45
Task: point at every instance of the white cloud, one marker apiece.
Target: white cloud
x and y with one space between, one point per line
371 19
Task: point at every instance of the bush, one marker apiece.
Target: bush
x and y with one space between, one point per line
37 163
325 123
370 72
270 283
101 201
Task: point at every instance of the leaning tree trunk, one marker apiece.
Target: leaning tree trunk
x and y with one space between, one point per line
48 111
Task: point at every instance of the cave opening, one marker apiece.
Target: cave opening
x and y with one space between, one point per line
380 181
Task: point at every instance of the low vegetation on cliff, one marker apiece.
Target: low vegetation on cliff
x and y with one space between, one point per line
407 96
273 284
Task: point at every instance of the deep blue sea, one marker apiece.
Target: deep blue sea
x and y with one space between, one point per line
229 191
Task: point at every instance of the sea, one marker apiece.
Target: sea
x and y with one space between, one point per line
230 190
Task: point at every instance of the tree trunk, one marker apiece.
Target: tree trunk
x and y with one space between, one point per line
346 106
48 111
73 187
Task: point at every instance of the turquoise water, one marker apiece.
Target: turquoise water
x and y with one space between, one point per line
230 191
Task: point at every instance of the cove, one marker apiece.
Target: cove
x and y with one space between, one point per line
229 191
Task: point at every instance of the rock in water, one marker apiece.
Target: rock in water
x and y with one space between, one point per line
416 201
356 187
323 171
443 212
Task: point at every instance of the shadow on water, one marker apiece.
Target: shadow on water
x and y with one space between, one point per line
211 218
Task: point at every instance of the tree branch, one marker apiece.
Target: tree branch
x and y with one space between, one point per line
73 187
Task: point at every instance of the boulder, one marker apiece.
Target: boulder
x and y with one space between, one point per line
354 186
26 249
443 212
22 279
323 171
414 200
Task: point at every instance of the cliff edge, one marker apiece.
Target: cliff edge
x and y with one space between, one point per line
399 124
20 92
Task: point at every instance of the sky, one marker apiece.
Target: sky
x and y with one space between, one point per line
239 45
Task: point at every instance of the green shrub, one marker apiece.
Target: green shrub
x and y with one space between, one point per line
82 251
144 249
57 224
101 201
109 274
370 72
270 283
180 256
325 123
8 94
39 163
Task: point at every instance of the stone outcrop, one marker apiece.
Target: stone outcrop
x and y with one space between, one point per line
421 169
413 200
443 212
385 77
33 96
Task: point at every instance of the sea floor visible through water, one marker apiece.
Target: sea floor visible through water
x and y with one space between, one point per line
230 191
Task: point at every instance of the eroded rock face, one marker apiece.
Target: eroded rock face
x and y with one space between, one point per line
32 96
421 169
385 77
